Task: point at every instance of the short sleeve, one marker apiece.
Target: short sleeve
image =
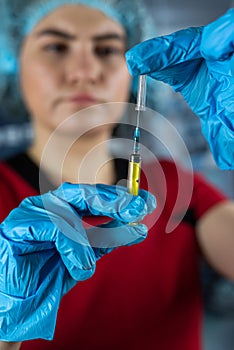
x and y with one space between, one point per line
205 196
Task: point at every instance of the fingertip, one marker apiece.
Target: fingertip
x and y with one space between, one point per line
131 64
150 200
100 252
80 267
82 274
140 57
77 256
140 232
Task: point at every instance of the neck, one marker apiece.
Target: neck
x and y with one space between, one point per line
86 160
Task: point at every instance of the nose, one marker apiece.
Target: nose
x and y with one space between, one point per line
84 67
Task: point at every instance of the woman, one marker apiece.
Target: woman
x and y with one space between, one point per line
146 296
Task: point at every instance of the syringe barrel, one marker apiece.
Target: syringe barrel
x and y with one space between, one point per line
134 171
141 94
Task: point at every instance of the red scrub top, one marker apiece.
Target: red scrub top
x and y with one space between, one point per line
146 296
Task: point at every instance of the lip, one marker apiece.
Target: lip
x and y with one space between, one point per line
83 100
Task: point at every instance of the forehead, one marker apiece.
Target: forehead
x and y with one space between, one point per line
78 18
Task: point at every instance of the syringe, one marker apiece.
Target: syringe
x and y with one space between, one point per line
134 165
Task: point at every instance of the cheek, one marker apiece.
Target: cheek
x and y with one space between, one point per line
35 86
120 85
119 91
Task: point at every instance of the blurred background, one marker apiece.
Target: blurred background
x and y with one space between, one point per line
171 15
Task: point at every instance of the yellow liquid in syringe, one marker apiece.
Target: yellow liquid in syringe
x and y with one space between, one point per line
134 170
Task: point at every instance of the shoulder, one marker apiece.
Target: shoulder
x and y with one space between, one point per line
13 189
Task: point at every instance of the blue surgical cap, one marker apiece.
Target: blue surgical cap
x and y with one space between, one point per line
18 18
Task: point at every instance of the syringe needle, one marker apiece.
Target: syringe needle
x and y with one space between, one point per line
136 141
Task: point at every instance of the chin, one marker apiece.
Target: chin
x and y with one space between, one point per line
87 121
100 131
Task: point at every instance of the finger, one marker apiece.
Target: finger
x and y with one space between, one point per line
106 237
159 53
69 236
218 38
78 258
33 229
38 218
103 200
149 199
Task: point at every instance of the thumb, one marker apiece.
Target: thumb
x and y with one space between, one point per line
218 38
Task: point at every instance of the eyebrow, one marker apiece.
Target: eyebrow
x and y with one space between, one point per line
62 34
109 36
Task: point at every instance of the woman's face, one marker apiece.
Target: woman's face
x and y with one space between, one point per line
73 59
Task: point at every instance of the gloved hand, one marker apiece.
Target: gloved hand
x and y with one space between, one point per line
45 250
199 63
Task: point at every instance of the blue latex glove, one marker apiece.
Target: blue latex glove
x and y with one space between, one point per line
45 252
199 63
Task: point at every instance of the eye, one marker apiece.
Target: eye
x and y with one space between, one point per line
108 51
58 48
